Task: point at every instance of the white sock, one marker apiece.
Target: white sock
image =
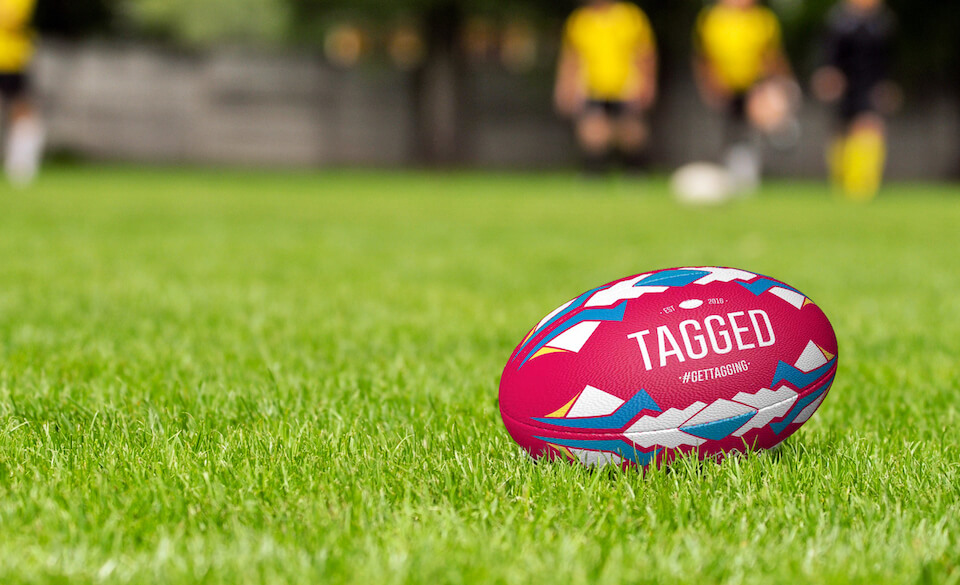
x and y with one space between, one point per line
25 142
743 163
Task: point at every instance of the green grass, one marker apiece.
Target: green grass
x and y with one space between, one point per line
265 378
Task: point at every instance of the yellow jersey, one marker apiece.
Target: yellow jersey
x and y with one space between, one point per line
738 43
609 41
16 38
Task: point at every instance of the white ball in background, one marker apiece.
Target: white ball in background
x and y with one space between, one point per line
702 184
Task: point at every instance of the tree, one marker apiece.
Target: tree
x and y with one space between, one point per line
74 18
930 45
929 40
438 83
200 22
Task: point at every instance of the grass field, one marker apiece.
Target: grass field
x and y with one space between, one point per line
226 377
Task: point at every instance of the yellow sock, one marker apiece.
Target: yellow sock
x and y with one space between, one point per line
864 156
835 161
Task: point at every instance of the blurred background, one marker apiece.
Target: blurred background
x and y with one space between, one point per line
463 83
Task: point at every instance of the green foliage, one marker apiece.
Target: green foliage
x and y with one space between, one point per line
224 377
929 50
74 18
930 47
200 22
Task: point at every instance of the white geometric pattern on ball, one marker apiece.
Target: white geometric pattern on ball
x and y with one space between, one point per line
807 412
723 275
719 410
576 337
668 420
594 402
771 405
670 438
766 398
794 298
811 359
596 458
623 291
546 319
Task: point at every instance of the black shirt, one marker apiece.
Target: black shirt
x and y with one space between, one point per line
860 45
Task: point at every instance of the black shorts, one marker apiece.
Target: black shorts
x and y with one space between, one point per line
610 108
13 85
856 102
737 108
737 128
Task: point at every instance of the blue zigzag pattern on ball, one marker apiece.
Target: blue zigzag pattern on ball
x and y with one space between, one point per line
758 287
614 314
787 373
576 304
800 405
719 429
624 415
622 448
673 278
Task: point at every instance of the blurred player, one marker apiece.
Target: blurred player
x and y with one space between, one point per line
859 48
24 144
607 80
741 70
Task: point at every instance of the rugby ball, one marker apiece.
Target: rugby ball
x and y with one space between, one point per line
668 363
702 184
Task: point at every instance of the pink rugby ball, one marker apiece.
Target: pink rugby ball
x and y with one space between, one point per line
652 367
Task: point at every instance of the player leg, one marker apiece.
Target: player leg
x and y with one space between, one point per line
742 153
834 156
863 157
25 135
633 133
595 133
858 156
